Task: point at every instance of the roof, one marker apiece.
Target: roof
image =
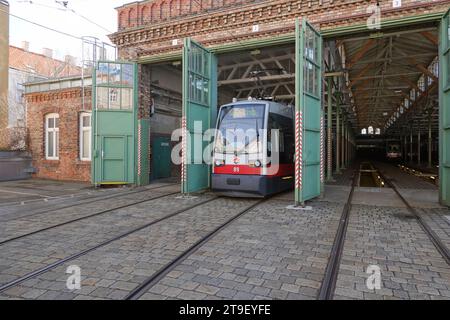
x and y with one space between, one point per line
57 84
40 64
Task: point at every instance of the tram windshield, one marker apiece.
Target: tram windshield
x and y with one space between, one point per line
240 129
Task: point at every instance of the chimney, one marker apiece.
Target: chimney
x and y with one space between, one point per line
48 53
26 45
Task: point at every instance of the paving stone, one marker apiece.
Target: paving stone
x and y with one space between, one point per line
290 288
172 292
226 293
209 290
33 294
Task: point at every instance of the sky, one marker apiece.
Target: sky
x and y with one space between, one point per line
52 14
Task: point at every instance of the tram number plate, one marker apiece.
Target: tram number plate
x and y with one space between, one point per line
234 182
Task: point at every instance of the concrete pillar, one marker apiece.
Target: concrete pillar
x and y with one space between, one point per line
338 138
430 142
330 131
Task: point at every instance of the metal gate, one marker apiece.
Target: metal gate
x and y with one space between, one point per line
161 163
114 123
199 112
308 114
444 107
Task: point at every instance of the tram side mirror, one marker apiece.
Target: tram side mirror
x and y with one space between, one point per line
152 108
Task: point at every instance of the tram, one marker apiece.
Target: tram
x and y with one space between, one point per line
254 149
393 151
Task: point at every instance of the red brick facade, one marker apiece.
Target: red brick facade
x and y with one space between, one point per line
67 103
142 33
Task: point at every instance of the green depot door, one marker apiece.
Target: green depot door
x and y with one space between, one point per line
114 123
308 106
161 162
199 112
114 158
444 107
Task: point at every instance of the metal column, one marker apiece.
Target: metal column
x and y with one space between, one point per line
330 132
411 146
418 147
338 137
430 141
405 149
343 164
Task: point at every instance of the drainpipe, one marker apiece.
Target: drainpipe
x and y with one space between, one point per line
330 131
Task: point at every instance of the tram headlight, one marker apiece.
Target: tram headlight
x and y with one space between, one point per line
219 163
258 163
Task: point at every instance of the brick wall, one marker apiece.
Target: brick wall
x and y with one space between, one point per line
232 22
67 103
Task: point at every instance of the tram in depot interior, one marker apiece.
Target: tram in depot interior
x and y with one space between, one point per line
254 149
393 150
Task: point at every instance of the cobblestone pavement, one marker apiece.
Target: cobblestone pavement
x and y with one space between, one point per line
439 220
32 189
270 253
24 255
15 227
411 267
112 271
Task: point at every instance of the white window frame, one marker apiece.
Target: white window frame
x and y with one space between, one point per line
56 141
83 129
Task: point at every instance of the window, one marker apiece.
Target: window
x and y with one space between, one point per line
364 131
85 136
115 83
378 131
199 76
52 136
311 68
370 130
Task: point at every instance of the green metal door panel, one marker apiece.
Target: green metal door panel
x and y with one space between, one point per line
308 107
310 175
197 178
143 152
113 159
444 108
199 109
114 122
111 123
161 162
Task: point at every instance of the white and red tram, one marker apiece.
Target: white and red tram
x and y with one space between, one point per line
254 149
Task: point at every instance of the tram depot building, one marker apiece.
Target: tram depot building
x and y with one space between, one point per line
181 59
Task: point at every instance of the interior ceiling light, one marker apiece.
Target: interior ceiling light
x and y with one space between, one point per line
385 114
255 52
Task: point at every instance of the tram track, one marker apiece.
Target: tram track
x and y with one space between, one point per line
166 269
76 255
434 238
3 242
328 286
89 201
